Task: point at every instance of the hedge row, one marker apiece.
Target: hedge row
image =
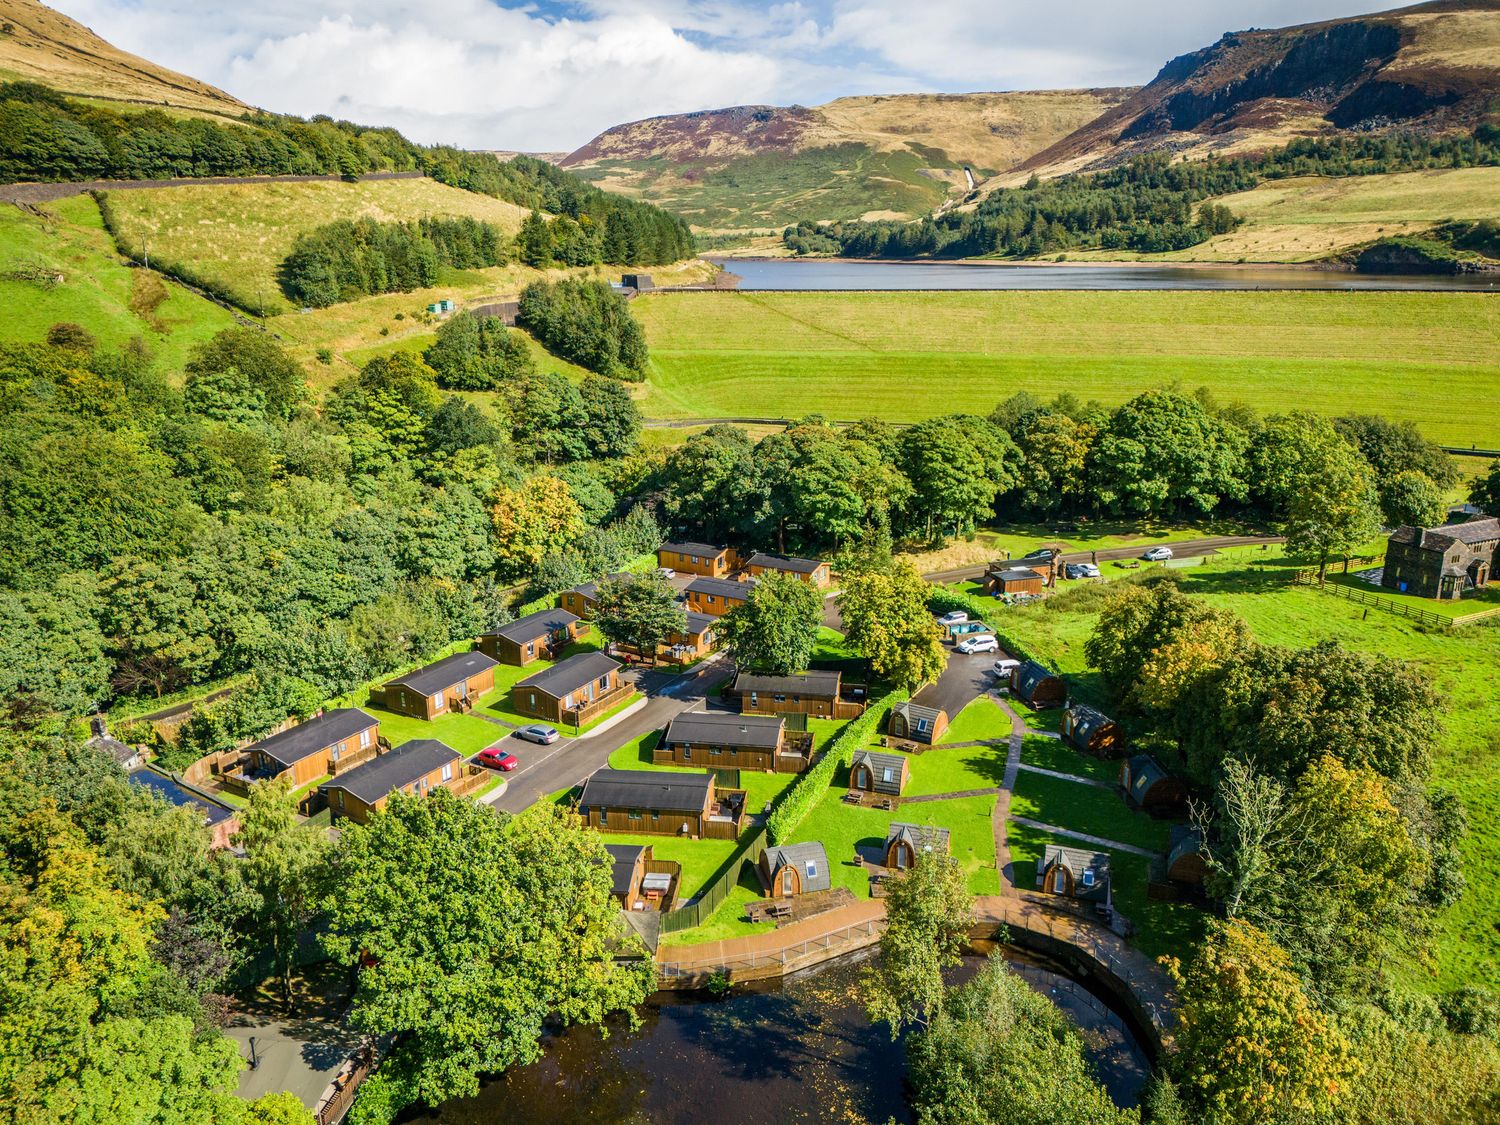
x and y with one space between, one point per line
942 601
808 789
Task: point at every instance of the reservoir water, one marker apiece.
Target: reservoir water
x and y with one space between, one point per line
841 274
800 1050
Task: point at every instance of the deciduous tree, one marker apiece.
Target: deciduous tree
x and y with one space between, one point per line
539 516
928 914
639 612
777 627
887 620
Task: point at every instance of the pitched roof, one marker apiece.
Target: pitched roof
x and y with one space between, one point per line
809 859
383 775
444 673
179 793
819 685
622 861
570 674
916 711
784 562
1016 574
922 837
1470 533
698 623
726 729
723 587
304 739
647 789
878 760
694 549
542 623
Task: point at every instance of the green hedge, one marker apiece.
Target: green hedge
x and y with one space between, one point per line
799 800
942 601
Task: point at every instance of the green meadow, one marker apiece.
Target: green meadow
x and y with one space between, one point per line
905 356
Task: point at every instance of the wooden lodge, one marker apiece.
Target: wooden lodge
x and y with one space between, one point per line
415 767
1074 873
723 740
452 684
325 744
574 691
537 636
692 642
714 597
1442 562
1037 687
818 694
658 803
582 600
905 842
872 771
640 881
1149 788
697 558
915 723
1187 865
794 869
1014 580
1092 731
812 571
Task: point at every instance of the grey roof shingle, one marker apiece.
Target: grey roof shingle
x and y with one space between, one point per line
1016 574
784 562
389 772
444 673
877 760
1086 722
699 623
1441 538
719 728
304 739
700 549
815 685
809 859
916 711
721 587
647 789
570 674
622 861
1030 676
542 623
1080 862
919 836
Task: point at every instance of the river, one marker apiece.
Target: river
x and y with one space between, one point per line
842 274
800 1050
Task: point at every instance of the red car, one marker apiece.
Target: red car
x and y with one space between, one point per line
498 759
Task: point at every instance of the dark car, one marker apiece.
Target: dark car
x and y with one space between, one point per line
497 758
538 733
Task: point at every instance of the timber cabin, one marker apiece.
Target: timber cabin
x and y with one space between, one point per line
693 642
1034 685
697 558
1014 580
537 636
1186 863
640 881
1149 788
1442 562
812 571
714 597
819 694
414 767
722 740
1092 731
905 842
873 771
452 684
1074 873
330 742
794 869
657 803
582 600
916 723
574 691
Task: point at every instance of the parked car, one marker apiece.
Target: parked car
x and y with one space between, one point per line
1004 666
1081 570
985 642
666 572
956 617
498 758
538 733
1158 554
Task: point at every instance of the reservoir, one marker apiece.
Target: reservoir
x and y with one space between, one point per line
797 1050
843 274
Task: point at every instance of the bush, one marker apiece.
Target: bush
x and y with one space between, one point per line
808 789
586 322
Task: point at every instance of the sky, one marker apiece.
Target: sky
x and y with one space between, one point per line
548 75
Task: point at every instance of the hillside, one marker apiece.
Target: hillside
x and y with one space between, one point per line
45 46
1430 67
894 156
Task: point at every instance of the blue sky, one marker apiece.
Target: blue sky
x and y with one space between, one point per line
547 75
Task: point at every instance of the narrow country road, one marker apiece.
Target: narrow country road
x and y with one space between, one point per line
1188 549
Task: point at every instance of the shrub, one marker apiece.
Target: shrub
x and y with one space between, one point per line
587 323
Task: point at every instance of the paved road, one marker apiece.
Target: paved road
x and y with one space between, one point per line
546 769
965 679
1189 549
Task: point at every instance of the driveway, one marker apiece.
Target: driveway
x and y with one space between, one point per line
965 679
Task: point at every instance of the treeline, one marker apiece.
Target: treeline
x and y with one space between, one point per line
352 258
44 135
587 323
1149 204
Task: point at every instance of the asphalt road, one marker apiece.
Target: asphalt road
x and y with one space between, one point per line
963 680
1189 549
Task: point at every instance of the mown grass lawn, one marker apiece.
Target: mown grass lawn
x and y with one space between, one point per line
955 770
1055 754
830 645
729 920
981 719
465 733
1084 808
701 860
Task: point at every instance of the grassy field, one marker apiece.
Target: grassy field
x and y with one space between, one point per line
1464 668
96 289
905 356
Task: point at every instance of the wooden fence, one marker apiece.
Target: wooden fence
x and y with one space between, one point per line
344 1088
701 908
1309 577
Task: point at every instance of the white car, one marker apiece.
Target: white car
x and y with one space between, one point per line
985 642
666 572
1082 570
1158 554
957 617
1005 666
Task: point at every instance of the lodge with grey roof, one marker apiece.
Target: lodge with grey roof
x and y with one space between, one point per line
574 691
450 685
1442 562
415 767
537 636
722 740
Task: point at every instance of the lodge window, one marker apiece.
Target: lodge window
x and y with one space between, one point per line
887 774
753 700
604 682
530 648
635 814
656 818
337 750
364 738
1088 878
448 772
532 703
695 560
812 869
687 753
338 797
923 725
437 702
714 750
779 697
